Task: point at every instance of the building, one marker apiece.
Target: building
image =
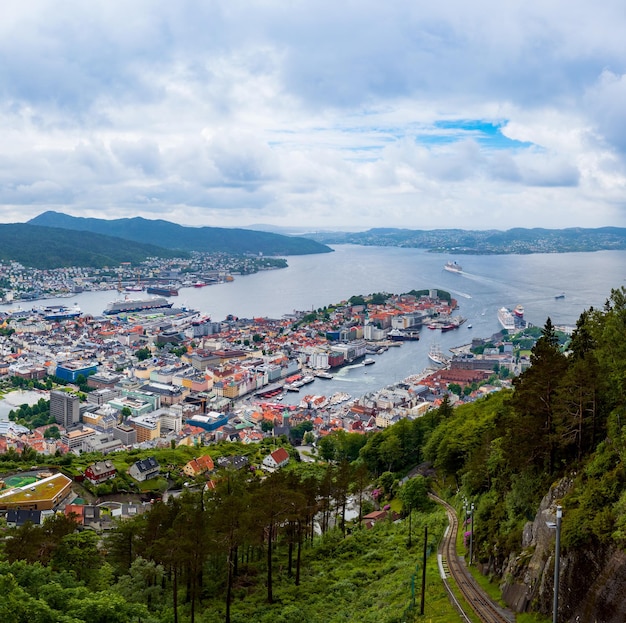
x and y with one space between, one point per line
148 426
126 434
276 459
75 439
198 466
100 472
102 396
45 494
145 469
70 370
65 408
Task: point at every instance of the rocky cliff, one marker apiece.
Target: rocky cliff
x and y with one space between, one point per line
592 580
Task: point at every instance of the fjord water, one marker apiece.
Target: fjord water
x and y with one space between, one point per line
487 283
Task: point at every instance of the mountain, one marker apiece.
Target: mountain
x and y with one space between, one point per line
459 241
174 236
50 247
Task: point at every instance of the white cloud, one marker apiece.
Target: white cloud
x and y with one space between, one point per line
318 113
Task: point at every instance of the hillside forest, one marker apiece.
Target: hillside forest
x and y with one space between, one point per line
281 546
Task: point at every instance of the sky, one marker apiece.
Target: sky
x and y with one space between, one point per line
315 114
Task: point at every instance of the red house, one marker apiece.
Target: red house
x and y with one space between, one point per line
100 472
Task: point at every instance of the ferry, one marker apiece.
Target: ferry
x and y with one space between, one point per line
324 375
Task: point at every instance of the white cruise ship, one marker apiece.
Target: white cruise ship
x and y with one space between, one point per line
506 318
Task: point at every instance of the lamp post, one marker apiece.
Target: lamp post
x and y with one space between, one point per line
471 534
557 561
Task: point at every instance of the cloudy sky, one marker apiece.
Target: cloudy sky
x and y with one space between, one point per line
315 113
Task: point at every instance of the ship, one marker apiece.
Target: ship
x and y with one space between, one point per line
519 311
453 323
453 267
324 375
59 312
134 305
162 290
506 319
436 356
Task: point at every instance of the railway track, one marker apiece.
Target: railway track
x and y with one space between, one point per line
450 565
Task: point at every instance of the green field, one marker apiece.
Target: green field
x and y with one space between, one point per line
19 481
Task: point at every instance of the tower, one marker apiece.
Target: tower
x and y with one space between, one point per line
65 408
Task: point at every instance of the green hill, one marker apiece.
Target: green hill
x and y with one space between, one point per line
50 247
173 236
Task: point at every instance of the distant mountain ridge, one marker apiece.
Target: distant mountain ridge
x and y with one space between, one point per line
173 236
42 247
459 241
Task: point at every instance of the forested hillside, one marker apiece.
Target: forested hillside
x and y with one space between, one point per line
51 247
253 547
185 237
561 427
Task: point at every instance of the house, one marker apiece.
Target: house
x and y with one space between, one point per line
276 459
373 518
233 462
198 466
145 469
16 518
100 472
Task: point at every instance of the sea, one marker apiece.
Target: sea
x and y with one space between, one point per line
486 283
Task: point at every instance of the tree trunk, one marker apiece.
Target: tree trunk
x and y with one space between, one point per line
270 536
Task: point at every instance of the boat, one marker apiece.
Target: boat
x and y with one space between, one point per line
59 312
324 375
453 267
368 362
199 284
469 326
307 379
436 355
519 311
134 305
560 296
506 319
162 290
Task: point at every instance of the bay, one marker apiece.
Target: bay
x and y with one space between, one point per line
487 283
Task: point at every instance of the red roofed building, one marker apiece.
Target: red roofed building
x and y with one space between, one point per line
276 459
198 466
100 472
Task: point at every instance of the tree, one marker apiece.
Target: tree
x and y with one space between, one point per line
414 495
143 353
534 404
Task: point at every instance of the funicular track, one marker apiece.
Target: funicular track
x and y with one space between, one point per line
484 608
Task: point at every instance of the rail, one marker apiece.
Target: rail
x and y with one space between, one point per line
450 563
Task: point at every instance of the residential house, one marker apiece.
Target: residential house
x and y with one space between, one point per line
144 469
198 466
100 472
276 459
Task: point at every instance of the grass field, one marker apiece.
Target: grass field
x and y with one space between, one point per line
19 481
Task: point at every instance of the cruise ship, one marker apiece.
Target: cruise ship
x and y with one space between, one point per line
506 319
134 305
59 312
453 267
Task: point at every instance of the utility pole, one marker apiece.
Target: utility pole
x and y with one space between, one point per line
557 564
